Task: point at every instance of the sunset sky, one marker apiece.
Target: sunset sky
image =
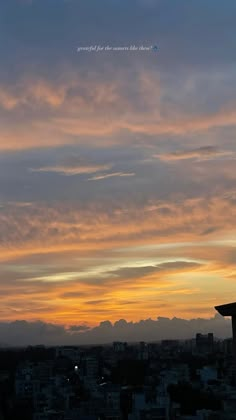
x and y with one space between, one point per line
117 168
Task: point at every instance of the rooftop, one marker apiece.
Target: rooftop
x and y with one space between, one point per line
229 309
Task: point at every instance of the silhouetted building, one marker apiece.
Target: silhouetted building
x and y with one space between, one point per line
204 343
119 346
229 309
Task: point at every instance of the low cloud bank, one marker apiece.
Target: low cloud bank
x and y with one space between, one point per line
20 333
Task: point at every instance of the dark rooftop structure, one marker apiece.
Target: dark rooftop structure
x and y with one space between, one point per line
229 309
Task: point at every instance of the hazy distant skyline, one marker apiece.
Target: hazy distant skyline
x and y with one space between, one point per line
117 169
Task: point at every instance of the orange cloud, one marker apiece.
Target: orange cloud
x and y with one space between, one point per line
73 169
202 153
68 227
94 264
36 92
63 112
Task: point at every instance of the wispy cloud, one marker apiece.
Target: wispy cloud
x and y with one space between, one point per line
66 112
40 227
201 153
36 92
73 170
111 175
